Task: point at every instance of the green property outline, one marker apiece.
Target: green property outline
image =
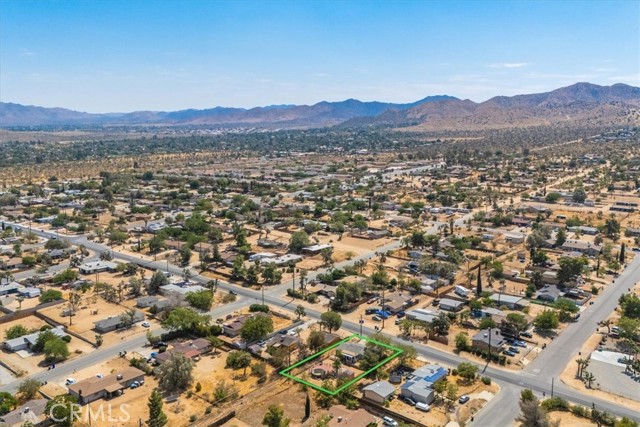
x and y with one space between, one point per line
285 372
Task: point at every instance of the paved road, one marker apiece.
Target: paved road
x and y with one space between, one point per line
539 381
67 369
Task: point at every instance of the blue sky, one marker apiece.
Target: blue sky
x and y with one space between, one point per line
102 56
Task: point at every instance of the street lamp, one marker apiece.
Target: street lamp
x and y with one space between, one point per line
361 322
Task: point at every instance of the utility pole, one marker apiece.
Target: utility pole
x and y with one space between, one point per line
552 378
361 322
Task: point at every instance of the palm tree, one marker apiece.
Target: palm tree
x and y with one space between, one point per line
581 365
589 378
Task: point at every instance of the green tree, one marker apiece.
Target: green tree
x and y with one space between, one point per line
157 418
201 300
29 389
315 340
185 319
271 274
546 321
62 408
238 360
50 295
16 331
56 350
462 341
553 197
479 284
256 328
275 417
176 373
331 320
158 280
298 240
468 371
571 269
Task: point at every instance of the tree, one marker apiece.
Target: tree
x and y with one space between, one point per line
176 373
202 300
238 360
63 409
462 341
441 324
238 271
300 311
157 418
50 295
185 319
630 304
452 392
7 402
467 371
135 286
315 340
487 323
271 274
307 408
612 228
408 355
566 308
75 300
588 377
275 417
256 328
56 350
622 256
534 415
158 280
29 389
527 395
156 244
514 324
479 284
331 320
552 197
299 239
571 269
539 258
16 331
128 317
546 321
579 195
629 328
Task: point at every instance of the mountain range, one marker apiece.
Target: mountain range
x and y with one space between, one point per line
581 103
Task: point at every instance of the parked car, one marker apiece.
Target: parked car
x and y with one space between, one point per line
514 349
407 400
389 422
519 343
159 344
146 324
509 353
376 318
423 407
370 311
400 314
463 399
526 334
70 381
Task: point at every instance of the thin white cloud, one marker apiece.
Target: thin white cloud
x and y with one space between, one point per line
635 78
321 75
606 70
508 65
26 52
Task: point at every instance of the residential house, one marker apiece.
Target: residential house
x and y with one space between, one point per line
420 386
94 267
341 417
549 293
112 323
512 301
489 339
94 388
352 352
586 248
448 304
379 392
27 341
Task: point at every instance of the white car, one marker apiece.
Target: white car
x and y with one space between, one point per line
390 422
70 381
146 324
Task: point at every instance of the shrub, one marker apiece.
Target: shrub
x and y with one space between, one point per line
579 411
594 290
454 372
259 307
66 338
198 387
294 293
486 380
555 404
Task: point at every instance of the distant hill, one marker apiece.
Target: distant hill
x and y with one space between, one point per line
581 104
317 115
